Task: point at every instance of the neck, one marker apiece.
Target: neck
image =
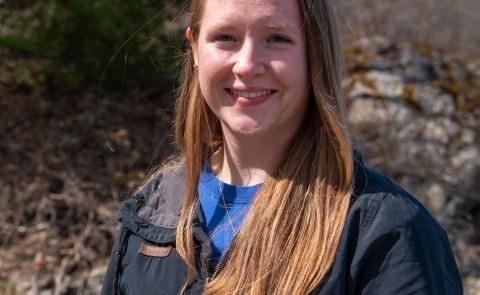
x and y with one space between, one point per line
248 160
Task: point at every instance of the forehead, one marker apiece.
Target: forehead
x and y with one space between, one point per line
284 12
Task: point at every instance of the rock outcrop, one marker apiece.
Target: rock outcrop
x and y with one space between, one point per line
415 113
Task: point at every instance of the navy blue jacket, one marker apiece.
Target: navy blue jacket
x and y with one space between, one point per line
390 243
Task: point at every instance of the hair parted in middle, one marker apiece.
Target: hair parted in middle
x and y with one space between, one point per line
291 233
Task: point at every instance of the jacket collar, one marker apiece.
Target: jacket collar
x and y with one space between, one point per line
153 211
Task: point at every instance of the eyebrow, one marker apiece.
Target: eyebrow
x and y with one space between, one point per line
223 26
285 28
273 27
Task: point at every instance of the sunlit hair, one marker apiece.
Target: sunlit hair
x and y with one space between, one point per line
290 236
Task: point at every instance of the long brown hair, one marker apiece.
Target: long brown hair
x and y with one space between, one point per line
291 233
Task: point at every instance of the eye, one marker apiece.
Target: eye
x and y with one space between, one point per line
224 38
278 39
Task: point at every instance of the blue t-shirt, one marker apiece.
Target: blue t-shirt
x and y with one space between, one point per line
217 224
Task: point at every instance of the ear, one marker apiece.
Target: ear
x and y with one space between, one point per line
193 44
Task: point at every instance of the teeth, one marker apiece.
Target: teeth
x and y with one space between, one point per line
247 94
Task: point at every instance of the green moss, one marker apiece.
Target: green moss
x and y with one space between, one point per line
450 86
409 97
7 288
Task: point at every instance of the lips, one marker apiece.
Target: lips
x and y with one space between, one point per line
250 97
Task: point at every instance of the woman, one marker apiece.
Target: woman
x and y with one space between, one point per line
267 196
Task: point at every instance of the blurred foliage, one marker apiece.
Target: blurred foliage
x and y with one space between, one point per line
132 42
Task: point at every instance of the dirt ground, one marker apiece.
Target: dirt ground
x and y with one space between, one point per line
69 159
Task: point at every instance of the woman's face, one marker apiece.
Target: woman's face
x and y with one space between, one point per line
251 59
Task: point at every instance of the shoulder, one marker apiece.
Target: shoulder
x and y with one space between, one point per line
390 244
380 202
393 243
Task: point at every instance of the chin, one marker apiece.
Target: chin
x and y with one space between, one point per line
247 130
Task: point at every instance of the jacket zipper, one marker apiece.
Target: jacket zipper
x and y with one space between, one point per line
204 266
220 262
218 267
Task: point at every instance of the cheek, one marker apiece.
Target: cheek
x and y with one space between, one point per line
291 69
211 58
292 72
213 71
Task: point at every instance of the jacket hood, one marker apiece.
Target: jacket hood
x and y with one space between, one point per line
153 211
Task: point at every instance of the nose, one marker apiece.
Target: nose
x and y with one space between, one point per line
249 60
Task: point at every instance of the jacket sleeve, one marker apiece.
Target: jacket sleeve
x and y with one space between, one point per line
404 251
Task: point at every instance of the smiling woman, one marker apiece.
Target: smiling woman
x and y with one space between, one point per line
267 195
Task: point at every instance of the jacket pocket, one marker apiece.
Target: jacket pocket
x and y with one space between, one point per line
151 268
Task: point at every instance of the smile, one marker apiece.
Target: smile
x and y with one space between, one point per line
250 97
250 94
